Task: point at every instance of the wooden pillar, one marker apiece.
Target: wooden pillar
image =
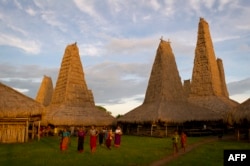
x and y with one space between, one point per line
166 130
33 130
38 130
27 131
151 132
238 134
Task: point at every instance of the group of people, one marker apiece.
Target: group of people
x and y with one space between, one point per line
105 136
182 139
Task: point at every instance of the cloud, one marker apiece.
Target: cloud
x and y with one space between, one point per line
111 81
87 7
50 18
29 46
131 45
239 87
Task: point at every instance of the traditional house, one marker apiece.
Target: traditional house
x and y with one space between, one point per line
18 114
72 102
240 117
207 87
165 107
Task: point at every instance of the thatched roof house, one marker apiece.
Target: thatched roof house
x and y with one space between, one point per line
17 111
72 102
165 100
168 112
241 113
208 87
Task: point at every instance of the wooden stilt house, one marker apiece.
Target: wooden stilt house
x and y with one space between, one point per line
18 114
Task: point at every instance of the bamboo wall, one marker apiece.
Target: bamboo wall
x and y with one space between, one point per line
12 133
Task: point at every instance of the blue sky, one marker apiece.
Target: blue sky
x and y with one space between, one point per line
117 41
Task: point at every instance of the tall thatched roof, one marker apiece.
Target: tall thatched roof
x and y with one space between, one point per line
14 104
165 99
45 92
78 116
208 88
241 112
169 112
72 101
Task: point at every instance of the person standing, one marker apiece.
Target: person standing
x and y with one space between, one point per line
65 140
109 138
175 140
81 134
118 134
101 135
93 135
183 141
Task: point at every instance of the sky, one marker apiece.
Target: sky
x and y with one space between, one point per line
117 41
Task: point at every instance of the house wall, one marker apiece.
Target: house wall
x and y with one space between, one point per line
12 133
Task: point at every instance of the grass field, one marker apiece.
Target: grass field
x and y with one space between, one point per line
133 151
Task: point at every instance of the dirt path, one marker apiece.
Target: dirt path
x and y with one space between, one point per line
169 158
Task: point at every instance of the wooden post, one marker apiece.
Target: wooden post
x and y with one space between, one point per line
38 131
238 134
166 130
33 130
27 131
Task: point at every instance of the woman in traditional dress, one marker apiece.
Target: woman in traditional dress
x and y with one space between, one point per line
118 134
109 138
93 135
81 134
65 140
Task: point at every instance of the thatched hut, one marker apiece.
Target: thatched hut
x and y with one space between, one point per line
72 102
17 114
165 106
208 87
240 116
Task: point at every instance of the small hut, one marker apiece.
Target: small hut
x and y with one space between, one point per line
240 116
18 113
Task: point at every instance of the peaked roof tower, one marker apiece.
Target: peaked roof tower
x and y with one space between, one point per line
45 92
165 99
72 101
208 78
164 82
71 87
208 86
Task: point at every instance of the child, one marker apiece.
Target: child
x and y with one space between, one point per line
175 140
183 141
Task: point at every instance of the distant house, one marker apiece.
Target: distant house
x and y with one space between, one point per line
18 114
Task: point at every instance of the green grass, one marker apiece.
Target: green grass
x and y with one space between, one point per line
133 151
209 154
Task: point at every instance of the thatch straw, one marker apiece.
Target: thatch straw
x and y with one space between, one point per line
221 105
168 112
241 112
45 92
78 116
15 104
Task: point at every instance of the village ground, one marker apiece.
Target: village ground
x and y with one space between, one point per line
134 151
